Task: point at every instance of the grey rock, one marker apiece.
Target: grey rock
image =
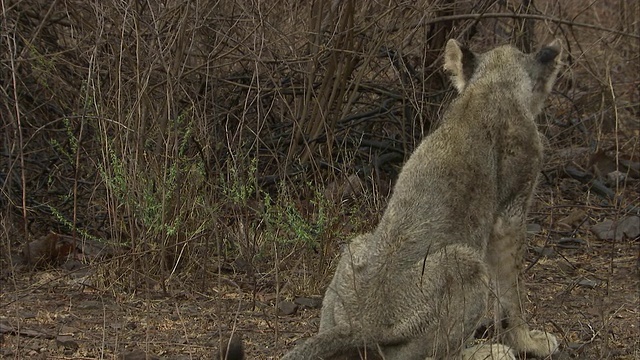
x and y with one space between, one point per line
628 227
544 251
308 302
534 229
287 308
137 355
68 343
589 283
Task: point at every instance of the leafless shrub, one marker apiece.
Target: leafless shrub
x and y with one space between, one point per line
179 130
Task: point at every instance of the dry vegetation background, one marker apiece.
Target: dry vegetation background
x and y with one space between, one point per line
184 169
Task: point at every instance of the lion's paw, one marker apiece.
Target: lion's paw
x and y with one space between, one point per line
542 343
488 352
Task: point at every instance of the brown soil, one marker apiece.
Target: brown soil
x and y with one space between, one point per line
583 289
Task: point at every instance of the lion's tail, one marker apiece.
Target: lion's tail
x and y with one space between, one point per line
327 344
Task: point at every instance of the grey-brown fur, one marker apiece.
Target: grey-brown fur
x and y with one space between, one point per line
414 288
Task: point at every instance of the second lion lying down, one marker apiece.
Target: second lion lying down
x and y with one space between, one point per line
415 287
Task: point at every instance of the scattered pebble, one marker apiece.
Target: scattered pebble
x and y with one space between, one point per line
615 178
287 308
310 303
574 219
90 305
137 355
571 243
534 229
544 251
574 346
589 283
68 343
628 227
28 315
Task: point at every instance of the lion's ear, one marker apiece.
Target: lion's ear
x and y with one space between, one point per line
552 52
460 63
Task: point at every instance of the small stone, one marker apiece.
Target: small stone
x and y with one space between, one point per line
6 352
608 229
572 153
604 230
341 190
73 265
90 305
544 251
28 315
574 346
574 219
67 330
310 303
630 226
137 355
571 243
534 229
615 177
67 342
589 283
287 308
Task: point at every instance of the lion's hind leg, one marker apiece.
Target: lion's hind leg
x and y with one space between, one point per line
445 300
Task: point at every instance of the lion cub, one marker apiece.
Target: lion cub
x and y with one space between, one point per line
415 287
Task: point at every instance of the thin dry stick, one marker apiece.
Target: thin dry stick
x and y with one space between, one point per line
516 16
11 42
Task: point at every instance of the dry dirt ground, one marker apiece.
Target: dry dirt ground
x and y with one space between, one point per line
583 287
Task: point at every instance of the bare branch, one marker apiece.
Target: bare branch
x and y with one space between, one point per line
516 16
